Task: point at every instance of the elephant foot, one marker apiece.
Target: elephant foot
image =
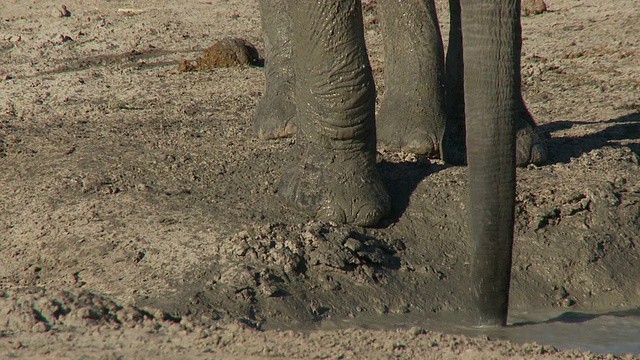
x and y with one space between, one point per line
530 148
274 117
407 125
341 189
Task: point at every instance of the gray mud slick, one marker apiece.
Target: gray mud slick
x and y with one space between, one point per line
607 332
611 332
575 250
567 256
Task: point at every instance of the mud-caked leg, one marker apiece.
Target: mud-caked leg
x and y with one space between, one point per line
412 114
276 111
336 180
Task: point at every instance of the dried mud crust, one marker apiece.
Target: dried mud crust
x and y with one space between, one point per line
533 7
130 189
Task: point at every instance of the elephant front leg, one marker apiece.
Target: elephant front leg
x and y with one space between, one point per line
274 116
335 96
412 115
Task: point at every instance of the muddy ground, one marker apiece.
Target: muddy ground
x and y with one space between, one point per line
139 217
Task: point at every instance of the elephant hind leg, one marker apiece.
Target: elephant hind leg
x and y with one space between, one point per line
530 147
274 116
402 127
412 115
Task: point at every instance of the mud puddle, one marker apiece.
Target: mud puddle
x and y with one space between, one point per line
607 332
613 332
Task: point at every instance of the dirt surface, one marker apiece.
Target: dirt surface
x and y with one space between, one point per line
139 216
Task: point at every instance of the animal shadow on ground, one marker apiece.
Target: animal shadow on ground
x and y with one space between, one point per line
563 149
401 180
575 317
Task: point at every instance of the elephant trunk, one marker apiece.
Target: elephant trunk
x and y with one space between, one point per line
491 32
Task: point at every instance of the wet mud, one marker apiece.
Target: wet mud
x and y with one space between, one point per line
137 206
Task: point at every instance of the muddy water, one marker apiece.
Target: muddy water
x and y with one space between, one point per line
612 332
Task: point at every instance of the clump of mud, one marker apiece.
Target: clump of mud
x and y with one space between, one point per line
42 310
227 52
533 7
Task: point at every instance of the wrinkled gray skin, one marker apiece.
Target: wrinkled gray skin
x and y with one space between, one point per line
319 83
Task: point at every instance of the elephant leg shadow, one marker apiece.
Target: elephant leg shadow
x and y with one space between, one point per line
622 131
401 179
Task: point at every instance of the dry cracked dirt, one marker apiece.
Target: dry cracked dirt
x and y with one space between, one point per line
138 214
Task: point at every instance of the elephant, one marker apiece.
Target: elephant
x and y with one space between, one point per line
319 85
